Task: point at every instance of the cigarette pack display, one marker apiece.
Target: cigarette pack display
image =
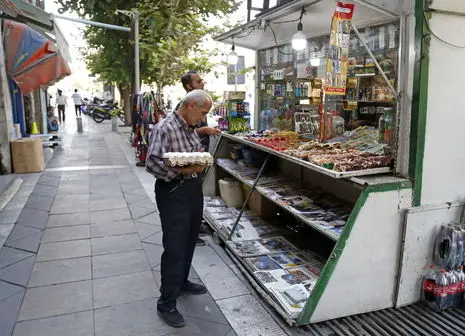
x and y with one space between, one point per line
175 159
290 259
277 244
262 263
292 298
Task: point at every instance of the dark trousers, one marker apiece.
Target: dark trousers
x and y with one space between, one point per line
78 109
61 113
181 208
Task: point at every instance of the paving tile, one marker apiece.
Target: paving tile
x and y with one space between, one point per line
156 239
135 199
7 290
114 244
108 204
34 218
201 327
5 230
113 229
60 271
154 253
54 300
146 230
125 288
30 243
57 234
9 216
119 264
77 324
17 202
246 314
19 272
68 209
201 307
137 318
64 250
10 256
43 190
138 212
145 203
22 231
39 202
68 219
9 309
153 219
109 215
52 181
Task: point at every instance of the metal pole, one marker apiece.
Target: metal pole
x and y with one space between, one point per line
394 92
92 23
136 54
248 196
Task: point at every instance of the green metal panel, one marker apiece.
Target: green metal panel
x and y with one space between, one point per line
419 102
328 270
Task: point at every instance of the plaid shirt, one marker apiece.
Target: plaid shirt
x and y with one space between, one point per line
171 134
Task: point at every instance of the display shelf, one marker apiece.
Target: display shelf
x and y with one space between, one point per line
327 232
306 164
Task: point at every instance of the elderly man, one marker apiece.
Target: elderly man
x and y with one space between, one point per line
180 200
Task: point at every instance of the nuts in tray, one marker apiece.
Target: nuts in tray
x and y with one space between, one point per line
177 159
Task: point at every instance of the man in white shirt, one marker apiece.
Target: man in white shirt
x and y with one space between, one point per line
77 102
61 104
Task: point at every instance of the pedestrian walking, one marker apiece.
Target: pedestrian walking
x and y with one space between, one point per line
179 199
77 99
62 102
192 80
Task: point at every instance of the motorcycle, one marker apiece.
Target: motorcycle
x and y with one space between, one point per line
101 113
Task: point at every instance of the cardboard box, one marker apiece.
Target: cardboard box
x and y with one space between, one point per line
234 95
27 155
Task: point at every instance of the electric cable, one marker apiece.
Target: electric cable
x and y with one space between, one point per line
438 37
277 45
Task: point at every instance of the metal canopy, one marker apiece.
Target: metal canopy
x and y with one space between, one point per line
257 35
27 13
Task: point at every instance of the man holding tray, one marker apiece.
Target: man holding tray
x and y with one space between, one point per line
179 198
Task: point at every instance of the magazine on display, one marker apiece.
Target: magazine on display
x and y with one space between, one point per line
278 244
248 248
290 259
292 298
277 278
303 275
262 263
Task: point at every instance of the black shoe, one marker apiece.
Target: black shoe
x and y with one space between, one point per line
200 242
172 317
194 288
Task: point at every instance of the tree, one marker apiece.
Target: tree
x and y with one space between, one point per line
170 33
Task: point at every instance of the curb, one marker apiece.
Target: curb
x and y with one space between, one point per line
10 192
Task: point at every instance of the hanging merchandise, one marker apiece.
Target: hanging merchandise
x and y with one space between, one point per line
338 50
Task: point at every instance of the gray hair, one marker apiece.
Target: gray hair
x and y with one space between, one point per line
200 97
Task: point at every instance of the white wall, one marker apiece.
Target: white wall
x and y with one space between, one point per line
444 157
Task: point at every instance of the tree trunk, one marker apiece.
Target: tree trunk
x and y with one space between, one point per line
125 91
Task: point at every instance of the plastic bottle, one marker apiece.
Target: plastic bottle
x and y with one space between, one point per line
429 285
453 248
460 286
441 291
460 247
452 289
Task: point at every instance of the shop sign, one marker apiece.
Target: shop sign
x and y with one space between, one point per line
338 50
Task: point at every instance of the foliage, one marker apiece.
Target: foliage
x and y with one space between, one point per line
170 34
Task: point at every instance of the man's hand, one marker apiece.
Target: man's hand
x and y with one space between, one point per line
192 169
207 130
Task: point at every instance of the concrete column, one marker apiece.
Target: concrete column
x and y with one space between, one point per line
6 115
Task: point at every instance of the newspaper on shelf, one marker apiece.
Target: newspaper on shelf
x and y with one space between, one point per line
262 263
292 298
290 259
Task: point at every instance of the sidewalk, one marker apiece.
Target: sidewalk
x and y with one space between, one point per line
84 250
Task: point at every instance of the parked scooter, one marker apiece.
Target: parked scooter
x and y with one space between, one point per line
101 113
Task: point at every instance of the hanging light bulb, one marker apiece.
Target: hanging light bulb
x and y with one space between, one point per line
315 60
299 41
232 57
